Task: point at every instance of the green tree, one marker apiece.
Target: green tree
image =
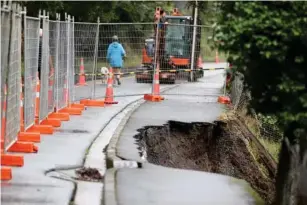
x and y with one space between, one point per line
107 11
267 42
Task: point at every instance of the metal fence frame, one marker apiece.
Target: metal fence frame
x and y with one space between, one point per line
12 125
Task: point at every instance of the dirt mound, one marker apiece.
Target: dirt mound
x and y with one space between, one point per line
219 148
89 174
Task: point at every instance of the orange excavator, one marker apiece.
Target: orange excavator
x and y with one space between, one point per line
174 49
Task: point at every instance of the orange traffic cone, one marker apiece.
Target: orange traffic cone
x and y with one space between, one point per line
82 74
216 57
224 100
155 95
109 99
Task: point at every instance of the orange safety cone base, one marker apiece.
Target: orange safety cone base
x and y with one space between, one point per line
12 160
71 111
153 98
42 129
77 105
25 147
29 137
52 122
82 81
61 116
223 100
93 103
110 101
6 173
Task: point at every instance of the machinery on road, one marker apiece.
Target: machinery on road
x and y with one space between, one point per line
174 54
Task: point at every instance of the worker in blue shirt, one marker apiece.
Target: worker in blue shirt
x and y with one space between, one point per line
115 56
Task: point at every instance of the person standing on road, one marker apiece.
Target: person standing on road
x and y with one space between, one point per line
115 55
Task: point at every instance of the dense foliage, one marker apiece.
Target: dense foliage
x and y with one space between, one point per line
267 43
108 11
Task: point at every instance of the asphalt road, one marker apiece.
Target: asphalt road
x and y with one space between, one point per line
188 102
153 184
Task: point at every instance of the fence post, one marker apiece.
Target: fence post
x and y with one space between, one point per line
68 60
193 43
95 60
73 58
57 70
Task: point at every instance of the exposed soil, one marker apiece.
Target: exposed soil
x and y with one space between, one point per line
89 174
220 147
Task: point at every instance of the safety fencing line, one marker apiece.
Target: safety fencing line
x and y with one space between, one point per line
30 102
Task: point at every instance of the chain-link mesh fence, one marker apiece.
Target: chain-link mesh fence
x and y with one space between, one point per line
62 71
263 127
85 35
5 43
31 49
72 76
70 61
138 48
14 80
53 64
44 76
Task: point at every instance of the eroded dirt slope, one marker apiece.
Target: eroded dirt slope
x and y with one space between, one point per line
218 147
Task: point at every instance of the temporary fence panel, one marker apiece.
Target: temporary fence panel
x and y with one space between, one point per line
62 93
31 49
14 80
72 62
237 90
70 57
5 41
132 36
135 38
44 78
53 64
85 35
56 32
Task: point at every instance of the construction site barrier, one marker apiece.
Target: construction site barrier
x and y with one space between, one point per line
37 81
51 69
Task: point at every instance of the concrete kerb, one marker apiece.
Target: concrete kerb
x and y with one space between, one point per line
109 193
113 161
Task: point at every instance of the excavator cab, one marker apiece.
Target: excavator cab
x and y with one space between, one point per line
175 46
